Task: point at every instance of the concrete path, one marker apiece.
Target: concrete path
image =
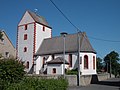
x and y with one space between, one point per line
111 84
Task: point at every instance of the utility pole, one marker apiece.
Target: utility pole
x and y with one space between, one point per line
110 67
78 58
64 35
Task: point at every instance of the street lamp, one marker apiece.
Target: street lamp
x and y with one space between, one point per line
78 43
64 35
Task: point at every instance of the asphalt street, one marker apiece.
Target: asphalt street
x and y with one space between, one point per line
111 84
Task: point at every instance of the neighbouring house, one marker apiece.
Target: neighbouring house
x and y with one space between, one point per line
7 50
42 53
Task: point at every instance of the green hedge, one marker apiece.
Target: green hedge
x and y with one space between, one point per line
39 84
72 72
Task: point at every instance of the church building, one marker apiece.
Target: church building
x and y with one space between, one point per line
43 54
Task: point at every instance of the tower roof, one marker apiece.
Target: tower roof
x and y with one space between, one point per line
39 19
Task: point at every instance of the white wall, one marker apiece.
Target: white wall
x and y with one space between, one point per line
26 56
41 35
88 71
26 19
58 67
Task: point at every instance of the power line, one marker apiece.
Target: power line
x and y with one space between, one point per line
78 30
104 40
64 15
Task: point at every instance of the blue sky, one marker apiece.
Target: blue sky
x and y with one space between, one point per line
98 18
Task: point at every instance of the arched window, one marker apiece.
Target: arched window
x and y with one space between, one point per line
43 62
25 49
85 62
70 60
27 65
93 62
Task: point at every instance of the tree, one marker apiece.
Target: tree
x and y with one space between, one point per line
99 64
111 61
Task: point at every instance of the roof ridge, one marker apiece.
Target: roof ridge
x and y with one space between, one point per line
61 36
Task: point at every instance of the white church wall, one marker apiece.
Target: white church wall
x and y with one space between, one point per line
28 55
41 34
90 69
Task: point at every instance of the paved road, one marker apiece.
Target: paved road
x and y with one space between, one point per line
111 84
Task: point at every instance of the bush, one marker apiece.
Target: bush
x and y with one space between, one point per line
72 72
39 84
11 71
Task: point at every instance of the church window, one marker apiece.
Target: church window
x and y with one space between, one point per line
93 62
80 60
25 36
85 62
43 62
70 60
25 49
27 65
43 28
26 27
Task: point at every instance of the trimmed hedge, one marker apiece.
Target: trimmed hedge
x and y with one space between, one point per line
39 84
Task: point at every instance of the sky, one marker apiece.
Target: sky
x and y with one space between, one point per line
100 19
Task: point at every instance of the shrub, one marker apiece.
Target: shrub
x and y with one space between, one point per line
11 70
72 72
39 84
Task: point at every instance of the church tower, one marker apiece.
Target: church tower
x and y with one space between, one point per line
32 30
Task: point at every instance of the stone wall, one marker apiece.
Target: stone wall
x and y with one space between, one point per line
72 79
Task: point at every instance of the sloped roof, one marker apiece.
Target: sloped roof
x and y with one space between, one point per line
58 60
39 19
55 45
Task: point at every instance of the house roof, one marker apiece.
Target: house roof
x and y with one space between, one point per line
39 19
4 33
58 60
55 45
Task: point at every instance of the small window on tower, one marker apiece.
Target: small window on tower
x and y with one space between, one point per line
25 36
26 27
25 49
43 28
27 65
